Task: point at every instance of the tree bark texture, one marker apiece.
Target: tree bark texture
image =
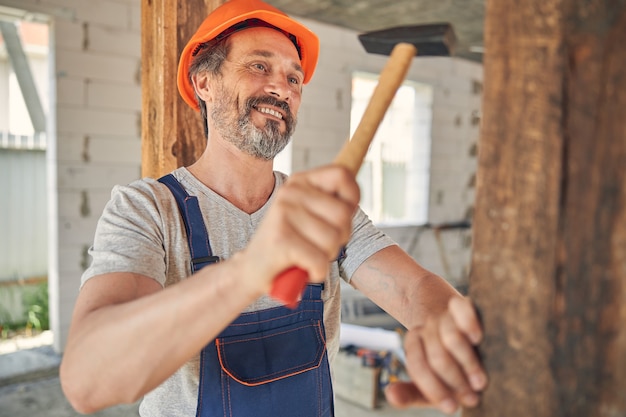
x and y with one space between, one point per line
172 132
549 256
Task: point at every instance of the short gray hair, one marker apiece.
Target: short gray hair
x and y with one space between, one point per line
210 58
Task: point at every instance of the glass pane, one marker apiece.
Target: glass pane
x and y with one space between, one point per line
394 190
395 177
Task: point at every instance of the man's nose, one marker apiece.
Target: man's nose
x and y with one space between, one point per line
278 86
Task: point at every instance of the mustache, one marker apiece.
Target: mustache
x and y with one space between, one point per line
272 101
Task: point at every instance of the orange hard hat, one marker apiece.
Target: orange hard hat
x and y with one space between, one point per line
235 12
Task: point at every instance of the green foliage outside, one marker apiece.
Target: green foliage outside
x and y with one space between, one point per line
36 317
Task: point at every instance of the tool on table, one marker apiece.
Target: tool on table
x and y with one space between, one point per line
402 44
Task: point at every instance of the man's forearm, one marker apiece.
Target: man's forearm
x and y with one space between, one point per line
401 287
119 352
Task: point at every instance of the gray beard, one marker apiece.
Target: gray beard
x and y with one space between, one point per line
263 143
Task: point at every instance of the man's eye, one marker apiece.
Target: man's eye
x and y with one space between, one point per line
260 67
294 80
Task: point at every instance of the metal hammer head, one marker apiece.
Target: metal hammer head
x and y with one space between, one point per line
435 39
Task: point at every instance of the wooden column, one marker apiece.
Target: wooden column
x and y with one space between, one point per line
172 133
549 260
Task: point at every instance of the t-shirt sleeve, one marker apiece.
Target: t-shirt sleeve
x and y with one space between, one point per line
129 235
365 241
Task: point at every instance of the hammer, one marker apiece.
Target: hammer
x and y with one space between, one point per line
401 44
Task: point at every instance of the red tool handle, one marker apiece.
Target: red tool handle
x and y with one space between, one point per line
289 285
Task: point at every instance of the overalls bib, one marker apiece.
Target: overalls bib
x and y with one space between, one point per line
267 363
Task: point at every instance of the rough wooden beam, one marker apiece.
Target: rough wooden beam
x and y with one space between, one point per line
549 256
172 133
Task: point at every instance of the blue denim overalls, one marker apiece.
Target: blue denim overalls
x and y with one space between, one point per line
268 363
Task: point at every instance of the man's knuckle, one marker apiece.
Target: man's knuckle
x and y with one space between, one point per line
412 341
417 360
452 340
438 359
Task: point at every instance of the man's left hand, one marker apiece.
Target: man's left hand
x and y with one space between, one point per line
442 361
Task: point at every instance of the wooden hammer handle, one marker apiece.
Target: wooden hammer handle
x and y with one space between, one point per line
390 79
289 285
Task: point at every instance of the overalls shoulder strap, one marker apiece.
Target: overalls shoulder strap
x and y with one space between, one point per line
197 235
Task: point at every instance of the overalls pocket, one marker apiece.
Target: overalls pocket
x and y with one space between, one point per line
269 363
272 355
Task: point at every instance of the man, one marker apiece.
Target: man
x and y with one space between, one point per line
204 338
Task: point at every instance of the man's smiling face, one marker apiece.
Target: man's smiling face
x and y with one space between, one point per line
257 96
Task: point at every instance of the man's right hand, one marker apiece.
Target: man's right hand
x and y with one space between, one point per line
309 221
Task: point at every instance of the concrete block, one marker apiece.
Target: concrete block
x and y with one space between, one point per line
108 95
451 101
323 137
68 35
71 91
74 261
98 149
69 290
75 231
102 12
446 146
307 157
86 203
441 66
69 203
335 94
300 158
112 41
135 16
464 68
98 199
81 177
93 122
329 118
459 86
96 66
404 236
119 151
445 115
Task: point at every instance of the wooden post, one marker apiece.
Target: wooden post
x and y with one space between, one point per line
172 133
549 257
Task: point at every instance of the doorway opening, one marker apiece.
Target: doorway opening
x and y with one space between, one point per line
25 86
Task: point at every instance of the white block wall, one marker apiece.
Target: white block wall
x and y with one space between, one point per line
97 126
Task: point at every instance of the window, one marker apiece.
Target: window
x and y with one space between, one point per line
394 178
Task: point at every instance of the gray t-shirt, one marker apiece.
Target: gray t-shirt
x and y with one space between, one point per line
141 231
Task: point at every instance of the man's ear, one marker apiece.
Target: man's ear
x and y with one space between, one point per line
202 85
